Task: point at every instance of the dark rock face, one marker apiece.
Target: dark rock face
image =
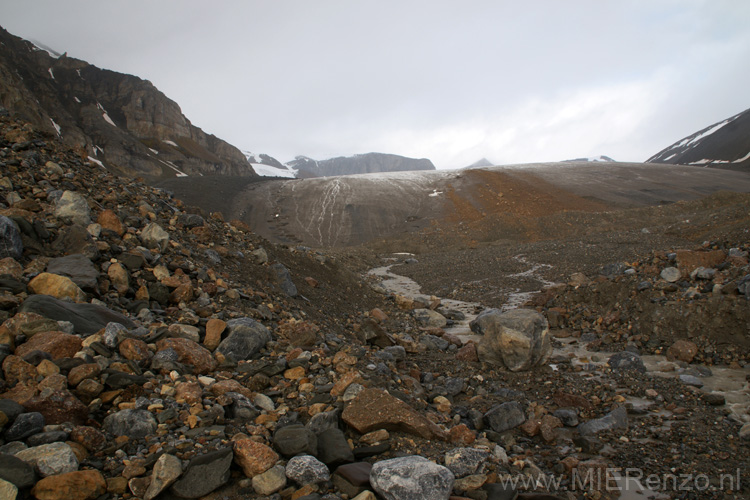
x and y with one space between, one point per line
126 117
358 164
722 145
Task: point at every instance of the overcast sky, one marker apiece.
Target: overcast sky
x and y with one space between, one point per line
454 81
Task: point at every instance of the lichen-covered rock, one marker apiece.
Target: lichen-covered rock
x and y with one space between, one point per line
517 339
412 478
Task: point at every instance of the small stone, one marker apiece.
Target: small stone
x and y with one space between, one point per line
616 419
82 372
412 477
214 329
271 481
505 416
8 491
154 236
190 353
465 461
254 458
333 448
25 425
626 361
295 439
671 274
682 350
167 470
78 485
306 469
109 220
133 423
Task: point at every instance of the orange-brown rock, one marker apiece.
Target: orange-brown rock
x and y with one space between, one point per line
60 287
81 372
376 409
254 458
299 333
57 344
345 381
190 353
58 406
462 435
119 277
183 293
10 266
135 349
468 353
78 485
683 350
214 329
17 370
110 221
190 392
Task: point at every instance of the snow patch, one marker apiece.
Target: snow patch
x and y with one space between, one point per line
78 71
153 151
108 119
51 73
76 99
179 173
57 127
269 171
709 132
435 193
98 150
740 160
704 161
94 160
670 157
170 143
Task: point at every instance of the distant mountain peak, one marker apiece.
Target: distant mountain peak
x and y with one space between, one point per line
599 159
484 162
363 163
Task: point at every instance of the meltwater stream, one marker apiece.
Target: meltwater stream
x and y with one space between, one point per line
731 383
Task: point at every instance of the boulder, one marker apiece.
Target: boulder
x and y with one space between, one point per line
306 469
78 268
429 318
16 471
517 339
154 236
204 474
86 318
682 350
73 207
10 239
284 279
374 409
59 287
57 344
50 459
245 339
78 485
412 478
167 470
254 458
505 416
616 419
189 353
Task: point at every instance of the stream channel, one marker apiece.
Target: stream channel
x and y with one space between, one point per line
731 383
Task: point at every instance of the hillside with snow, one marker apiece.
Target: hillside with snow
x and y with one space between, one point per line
725 144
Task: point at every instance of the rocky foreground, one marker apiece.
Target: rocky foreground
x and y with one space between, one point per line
150 350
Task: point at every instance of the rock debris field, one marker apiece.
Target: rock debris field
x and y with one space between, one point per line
151 350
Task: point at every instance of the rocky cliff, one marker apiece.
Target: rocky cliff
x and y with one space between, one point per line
118 120
369 163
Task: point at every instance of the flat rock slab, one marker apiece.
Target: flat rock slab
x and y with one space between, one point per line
374 409
87 319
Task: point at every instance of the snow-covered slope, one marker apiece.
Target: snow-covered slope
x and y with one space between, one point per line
725 144
268 166
597 159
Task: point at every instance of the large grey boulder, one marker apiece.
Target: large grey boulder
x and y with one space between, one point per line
428 317
411 478
73 207
204 474
246 338
517 339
